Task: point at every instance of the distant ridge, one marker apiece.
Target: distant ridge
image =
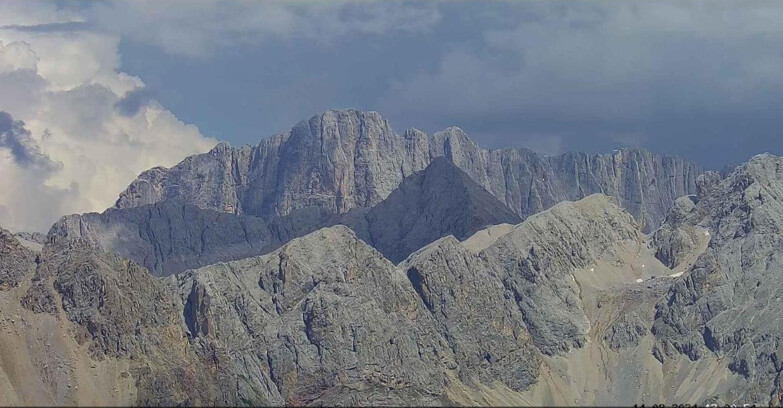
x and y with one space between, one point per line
344 159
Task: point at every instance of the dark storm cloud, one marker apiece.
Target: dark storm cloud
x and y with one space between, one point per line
692 78
24 150
201 28
702 79
49 27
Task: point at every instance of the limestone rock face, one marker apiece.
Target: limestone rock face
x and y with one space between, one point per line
117 316
475 314
323 320
570 299
16 261
336 161
529 271
33 241
170 237
328 320
728 303
674 240
643 183
537 259
255 295
346 159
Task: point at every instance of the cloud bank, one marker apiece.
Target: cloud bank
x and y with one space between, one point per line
202 26
675 76
74 130
696 78
702 79
25 169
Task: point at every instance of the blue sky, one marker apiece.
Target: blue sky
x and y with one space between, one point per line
99 91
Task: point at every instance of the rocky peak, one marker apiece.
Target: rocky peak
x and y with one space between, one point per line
328 319
750 199
345 159
466 295
726 304
706 182
450 142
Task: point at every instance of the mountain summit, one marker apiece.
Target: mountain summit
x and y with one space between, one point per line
344 159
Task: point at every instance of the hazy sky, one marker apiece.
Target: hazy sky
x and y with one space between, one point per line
700 79
96 92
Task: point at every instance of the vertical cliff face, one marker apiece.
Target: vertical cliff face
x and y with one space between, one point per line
643 183
335 161
347 159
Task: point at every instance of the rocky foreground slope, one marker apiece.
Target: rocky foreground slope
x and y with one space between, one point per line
325 319
728 304
574 305
346 159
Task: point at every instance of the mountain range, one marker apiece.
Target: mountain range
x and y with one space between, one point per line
341 263
341 160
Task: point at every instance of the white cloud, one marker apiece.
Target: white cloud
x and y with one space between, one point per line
26 198
17 56
27 201
64 85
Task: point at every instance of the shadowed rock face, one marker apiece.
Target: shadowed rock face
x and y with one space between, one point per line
340 160
170 237
537 259
438 201
729 302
